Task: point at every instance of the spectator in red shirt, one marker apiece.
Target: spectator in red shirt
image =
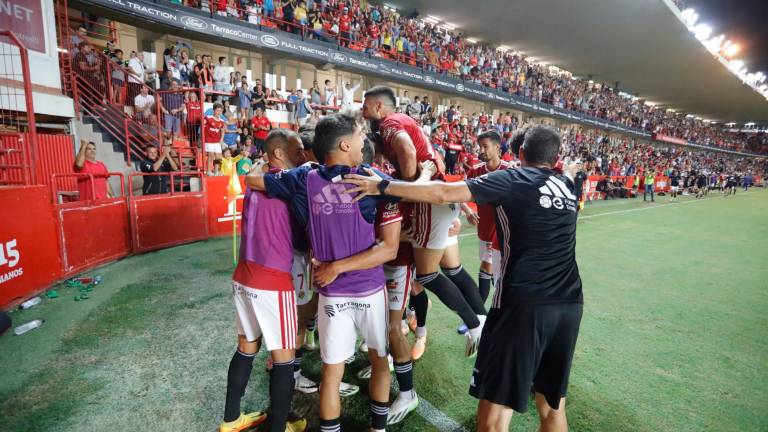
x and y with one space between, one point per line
261 127
194 118
344 29
213 135
86 163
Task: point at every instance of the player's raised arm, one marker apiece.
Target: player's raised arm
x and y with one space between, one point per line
429 192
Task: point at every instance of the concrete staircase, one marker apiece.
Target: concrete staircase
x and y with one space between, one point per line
108 151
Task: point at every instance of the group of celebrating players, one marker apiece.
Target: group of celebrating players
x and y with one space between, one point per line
376 242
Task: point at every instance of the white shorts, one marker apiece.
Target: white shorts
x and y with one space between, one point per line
399 281
496 265
213 147
451 241
266 314
300 277
431 223
485 251
673 188
340 319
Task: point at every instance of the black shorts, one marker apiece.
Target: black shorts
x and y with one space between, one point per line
526 348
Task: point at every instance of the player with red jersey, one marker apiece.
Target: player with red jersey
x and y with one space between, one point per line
213 134
405 145
485 219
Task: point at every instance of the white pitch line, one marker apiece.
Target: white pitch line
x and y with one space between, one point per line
693 200
438 418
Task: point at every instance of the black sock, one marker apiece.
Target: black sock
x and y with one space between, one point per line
486 281
404 375
379 413
280 394
468 288
420 307
297 361
333 425
237 378
450 295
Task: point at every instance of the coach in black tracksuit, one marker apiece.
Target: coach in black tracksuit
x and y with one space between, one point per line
530 334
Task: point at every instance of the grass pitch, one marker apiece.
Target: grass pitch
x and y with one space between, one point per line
674 335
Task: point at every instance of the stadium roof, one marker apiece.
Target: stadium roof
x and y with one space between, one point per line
640 44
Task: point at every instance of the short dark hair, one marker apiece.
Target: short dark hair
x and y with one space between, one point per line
328 132
217 105
382 91
221 58
307 137
541 145
491 135
278 138
517 140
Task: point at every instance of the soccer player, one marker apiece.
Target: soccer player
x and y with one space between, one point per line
213 135
490 155
701 185
674 185
265 301
348 261
406 146
530 334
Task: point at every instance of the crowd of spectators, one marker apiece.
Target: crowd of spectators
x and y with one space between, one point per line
382 31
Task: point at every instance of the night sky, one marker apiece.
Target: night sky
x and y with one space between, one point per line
742 21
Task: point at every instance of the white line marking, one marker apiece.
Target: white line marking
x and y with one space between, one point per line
438 418
692 200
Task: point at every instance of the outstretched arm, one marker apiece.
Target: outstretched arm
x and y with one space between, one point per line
430 192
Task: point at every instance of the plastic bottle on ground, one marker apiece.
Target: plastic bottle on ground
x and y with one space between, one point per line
20 330
34 301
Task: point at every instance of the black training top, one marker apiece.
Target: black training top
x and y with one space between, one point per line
536 225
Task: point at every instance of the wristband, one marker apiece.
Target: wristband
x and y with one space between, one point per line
382 186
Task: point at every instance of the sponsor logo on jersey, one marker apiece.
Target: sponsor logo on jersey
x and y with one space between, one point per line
556 194
332 198
330 311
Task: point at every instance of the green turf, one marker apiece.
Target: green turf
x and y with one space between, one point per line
673 336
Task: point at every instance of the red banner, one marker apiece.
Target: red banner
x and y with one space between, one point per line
29 249
25 19
669 139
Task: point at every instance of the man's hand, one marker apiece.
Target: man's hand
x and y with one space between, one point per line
366 185
472 217
428 169
324 273
83 145
455 228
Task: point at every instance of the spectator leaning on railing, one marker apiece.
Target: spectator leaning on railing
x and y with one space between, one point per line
86 163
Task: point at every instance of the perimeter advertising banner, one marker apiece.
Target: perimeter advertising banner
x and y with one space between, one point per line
25 19
193 20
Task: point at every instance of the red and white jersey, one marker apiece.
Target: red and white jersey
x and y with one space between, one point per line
486 229
388 213
213 129
397 123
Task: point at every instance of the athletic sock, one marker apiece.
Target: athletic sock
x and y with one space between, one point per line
297 363
237 378
379 413
333 425
404 376
420 307
467 287
280 394
450 295
421 331
311 324
485 280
